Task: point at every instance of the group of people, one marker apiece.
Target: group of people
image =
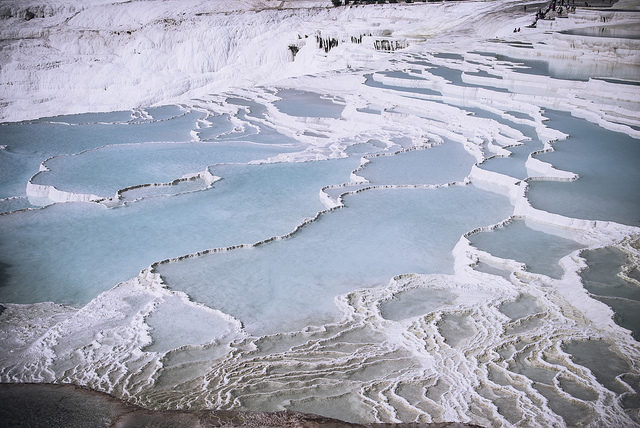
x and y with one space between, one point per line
555 8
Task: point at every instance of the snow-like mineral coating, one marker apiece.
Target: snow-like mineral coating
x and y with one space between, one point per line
356 211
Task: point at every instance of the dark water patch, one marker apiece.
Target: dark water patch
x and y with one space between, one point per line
601 276
573 412
626 313
619 81
527 66
421 62
368 110
577 390
4 274
446 55
634 127
483 73
484 53
375 84
605 364
87 118
620 31
521 364
601 279
455 77
630 401
519 115
450 74
314 134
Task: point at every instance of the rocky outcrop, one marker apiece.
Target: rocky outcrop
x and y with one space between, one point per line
43 405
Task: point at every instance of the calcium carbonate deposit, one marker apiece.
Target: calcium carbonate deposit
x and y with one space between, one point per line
399 212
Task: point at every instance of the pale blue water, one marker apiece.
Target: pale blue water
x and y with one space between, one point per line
219 124
15 171
440 164
69 253
48 138
607 163
59 253
165 112
14 204
104 171
253 109
540 251
380 233
29 143
513 165
415 302
307 104
572 69
455 76
137 193
371 146
483 267
252 130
